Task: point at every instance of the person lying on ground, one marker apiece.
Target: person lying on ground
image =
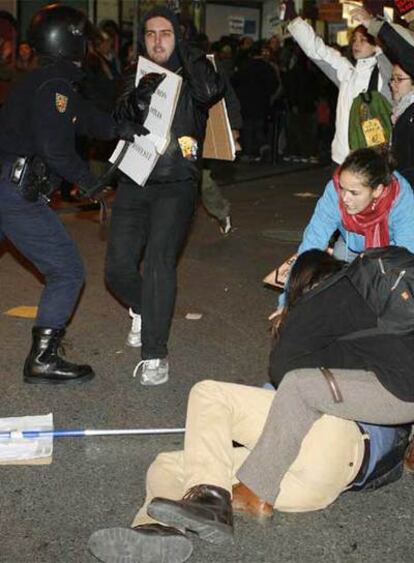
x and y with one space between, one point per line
197 489
337 355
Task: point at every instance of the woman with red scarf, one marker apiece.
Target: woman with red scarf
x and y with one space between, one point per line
368 204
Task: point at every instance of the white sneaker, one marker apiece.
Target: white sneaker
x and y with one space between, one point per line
153 372
225 225
134 336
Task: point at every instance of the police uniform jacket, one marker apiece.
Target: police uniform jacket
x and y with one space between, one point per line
42 117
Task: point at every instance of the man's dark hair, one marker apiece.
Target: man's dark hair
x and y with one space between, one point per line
157 12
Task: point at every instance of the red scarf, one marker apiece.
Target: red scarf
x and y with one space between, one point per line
372 222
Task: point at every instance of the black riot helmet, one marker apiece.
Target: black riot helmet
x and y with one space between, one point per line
59 31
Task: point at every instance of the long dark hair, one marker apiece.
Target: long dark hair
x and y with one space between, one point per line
309 270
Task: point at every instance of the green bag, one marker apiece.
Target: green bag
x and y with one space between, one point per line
370 118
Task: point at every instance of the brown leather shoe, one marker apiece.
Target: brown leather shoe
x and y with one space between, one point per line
244 500
409 457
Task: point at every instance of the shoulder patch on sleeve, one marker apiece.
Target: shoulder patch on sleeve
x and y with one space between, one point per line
61 102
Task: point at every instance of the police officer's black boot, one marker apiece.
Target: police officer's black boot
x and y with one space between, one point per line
44 365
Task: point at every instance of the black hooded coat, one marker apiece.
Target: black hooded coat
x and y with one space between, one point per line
202 87
335 326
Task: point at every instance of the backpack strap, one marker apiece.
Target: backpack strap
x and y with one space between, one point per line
372 85
373 81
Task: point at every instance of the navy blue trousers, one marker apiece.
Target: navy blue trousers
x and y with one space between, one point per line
37 233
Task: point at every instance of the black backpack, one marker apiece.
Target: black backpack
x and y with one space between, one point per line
384 277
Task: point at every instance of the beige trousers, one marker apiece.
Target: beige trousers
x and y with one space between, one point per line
219 413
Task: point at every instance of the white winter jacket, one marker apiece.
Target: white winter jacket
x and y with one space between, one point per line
351 80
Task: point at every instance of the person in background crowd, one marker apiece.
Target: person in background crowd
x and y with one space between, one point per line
400 43
274 47
351 79
211 196
7 69
25 59
243 51
301 119
255 98
402 87
101 86
111 29
129 58
335 455
226 60
398 40
151 223
103 78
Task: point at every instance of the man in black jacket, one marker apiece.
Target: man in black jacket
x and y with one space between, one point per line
151 222
38 126
254 82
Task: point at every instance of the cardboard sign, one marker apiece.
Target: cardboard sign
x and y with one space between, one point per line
219 143
142 155
279 276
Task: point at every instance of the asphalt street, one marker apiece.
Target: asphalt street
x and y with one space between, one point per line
48 512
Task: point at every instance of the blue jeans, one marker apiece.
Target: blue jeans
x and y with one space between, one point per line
341 252
149 224
37 233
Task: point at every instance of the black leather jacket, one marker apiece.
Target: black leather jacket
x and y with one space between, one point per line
202 87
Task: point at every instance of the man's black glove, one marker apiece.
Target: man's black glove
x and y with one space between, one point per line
133 105
147 86
126 130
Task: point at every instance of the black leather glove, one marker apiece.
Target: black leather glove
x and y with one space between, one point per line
127 130
147 86
133 105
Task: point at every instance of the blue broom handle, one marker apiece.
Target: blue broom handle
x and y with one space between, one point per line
83 433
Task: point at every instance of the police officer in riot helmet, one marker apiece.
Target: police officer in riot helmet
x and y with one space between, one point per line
38 126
